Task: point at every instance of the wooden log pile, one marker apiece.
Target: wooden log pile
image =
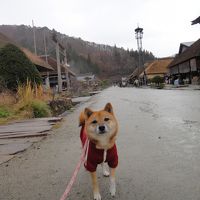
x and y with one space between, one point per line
17 137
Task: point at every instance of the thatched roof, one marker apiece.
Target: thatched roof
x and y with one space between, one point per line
53 63
159 66
34 58
191 52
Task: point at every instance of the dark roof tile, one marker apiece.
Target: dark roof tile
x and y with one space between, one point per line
192 52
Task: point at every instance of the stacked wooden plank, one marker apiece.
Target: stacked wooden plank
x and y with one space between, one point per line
18 136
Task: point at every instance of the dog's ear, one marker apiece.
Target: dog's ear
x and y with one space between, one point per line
108 108
88 112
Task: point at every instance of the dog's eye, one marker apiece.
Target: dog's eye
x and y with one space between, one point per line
94 122
106 119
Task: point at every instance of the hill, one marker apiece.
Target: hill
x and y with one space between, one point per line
83 56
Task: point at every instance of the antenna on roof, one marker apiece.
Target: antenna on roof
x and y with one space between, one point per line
34 38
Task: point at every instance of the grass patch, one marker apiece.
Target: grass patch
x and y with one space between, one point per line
4 112
30 101
40 109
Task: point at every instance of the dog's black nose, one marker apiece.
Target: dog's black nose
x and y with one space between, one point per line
102 129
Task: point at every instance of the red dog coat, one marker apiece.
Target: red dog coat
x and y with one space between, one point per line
95 156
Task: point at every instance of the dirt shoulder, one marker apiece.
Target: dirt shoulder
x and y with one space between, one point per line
43 170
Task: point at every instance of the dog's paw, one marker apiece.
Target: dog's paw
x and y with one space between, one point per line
106 173
112 187
97 196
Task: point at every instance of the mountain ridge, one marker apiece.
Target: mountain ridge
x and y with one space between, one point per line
83 56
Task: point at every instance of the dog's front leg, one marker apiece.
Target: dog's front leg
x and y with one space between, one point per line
112 182
105 170
95 185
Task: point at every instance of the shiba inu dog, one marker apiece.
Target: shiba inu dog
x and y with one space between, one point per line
100 129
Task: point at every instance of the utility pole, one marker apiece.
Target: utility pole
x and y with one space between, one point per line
34 38
45 47
58 67
46 59
66 70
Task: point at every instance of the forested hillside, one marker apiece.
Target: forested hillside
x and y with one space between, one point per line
83 56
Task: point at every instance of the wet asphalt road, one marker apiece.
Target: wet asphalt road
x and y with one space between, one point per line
158 146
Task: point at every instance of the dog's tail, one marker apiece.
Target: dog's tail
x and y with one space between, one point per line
82 119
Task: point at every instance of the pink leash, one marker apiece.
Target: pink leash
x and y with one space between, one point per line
73 178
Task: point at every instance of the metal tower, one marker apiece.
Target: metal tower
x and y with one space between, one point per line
138 36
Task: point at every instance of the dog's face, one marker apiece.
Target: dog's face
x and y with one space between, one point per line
101 125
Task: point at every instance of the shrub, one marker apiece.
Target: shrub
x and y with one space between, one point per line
31 99
40 109
16 68
157 80
25 93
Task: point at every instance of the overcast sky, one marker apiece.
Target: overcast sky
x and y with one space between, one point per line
166 23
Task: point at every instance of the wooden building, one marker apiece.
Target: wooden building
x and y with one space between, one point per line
184 46
41 65
186 65
52 76
157 67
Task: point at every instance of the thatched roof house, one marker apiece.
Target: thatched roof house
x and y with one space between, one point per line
158 67
53 63
66 73
41 65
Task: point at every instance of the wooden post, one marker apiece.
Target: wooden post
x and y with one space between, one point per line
190 73
47 83
58 67
66 70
